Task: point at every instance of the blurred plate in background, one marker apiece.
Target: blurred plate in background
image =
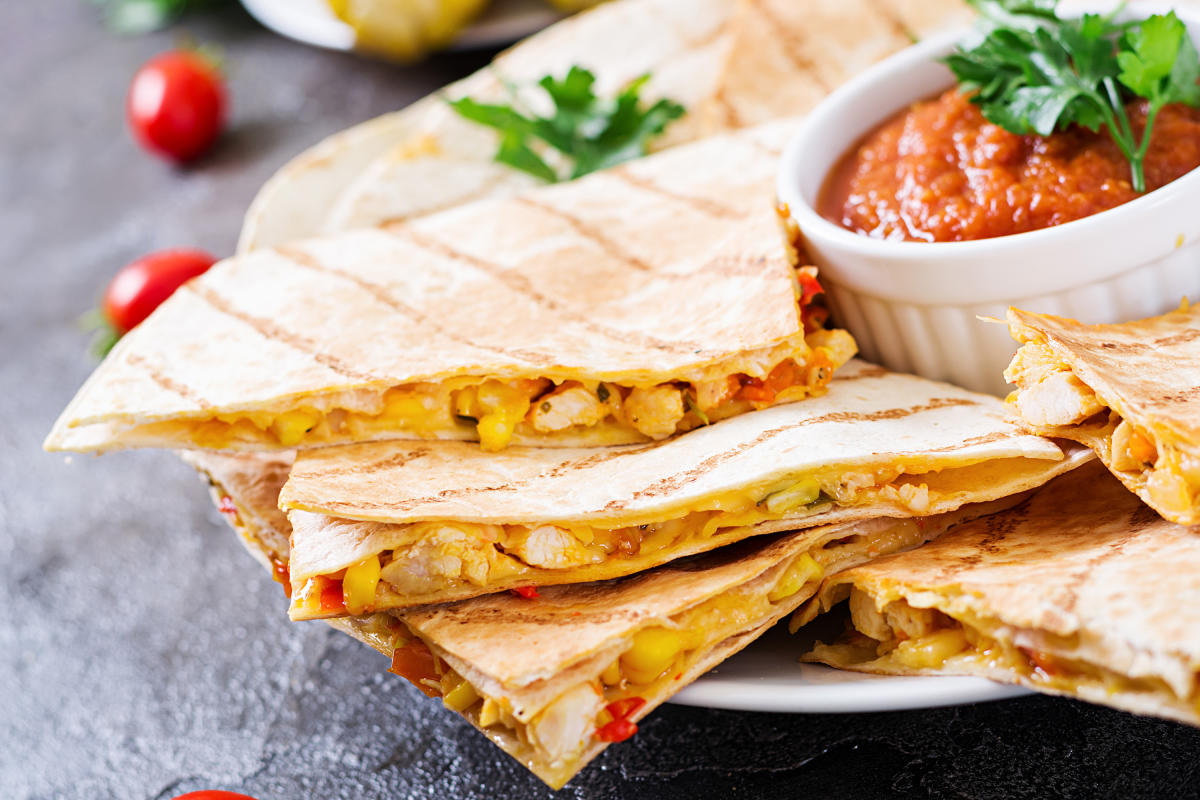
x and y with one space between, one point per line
312 22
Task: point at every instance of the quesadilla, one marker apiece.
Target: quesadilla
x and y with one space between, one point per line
595 312
730 63
1131 392
1080 591
391 525
554 678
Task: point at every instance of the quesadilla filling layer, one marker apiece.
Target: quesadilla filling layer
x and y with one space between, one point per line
604 707
1052 399
494 410
901 637
436 561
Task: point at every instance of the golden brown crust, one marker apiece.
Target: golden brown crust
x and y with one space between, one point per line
1083 571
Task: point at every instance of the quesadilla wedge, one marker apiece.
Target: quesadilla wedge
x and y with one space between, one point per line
391 525
730 64
1081 591
626 306
1131 392
555 678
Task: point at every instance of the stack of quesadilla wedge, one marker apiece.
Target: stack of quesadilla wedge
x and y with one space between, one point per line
540 448
594 312
1131 392
554 680
1082 591
394 524
553 675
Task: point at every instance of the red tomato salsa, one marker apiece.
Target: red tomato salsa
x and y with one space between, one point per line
939 172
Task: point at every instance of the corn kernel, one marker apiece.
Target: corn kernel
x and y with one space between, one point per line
489 712
358 586
612 674
803 569
290 426
464 402
495 397
495 431
930 652
795 496
461 697
653 650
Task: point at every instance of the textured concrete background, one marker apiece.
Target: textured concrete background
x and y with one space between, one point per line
143 654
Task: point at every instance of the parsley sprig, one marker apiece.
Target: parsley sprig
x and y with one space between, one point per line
591 132
1037 73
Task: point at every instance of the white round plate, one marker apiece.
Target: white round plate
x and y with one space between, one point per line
312 22
767 676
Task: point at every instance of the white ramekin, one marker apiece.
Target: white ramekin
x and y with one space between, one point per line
915 306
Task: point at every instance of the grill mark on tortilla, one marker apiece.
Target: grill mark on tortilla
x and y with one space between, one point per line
394 461
729 111
588 232
383 294
997 527
791 44
701 204
269 330
521 285
167 382
676 481
867 372
690 43
662 486
896 21
587 462
1070 592
987 438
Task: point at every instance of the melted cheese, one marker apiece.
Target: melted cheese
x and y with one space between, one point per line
952 644
657 656
493 409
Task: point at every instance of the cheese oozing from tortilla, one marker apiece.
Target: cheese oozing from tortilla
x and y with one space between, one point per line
902 636
655 657
495 410
1052 399
435 560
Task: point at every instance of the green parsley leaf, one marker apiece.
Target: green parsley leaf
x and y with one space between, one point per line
1037 73
589 131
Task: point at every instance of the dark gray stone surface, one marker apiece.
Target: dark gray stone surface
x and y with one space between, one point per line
143 655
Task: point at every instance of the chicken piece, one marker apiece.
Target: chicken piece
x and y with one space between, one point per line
656 411
1032 364
565 727
909 622
866 618
1061 399
568 405
550 547
448 554
710 394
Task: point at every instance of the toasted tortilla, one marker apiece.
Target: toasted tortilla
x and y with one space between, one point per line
623 277
445 521
1081 591
534 675
730 63
1131 392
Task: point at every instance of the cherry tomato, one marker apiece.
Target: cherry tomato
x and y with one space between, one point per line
176 105
142 285
212 794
